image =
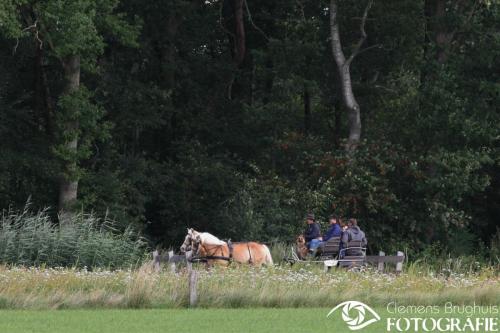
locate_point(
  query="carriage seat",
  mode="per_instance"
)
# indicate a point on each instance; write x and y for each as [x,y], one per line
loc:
[330,249]
[354,254]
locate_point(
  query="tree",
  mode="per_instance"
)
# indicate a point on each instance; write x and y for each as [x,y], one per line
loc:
[74,33]
[149,137]
[445,20]
[344,71]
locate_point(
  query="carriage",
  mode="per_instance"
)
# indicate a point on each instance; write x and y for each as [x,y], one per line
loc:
[331,255]
[351,256]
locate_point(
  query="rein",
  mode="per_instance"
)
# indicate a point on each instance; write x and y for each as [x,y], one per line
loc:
[206,258]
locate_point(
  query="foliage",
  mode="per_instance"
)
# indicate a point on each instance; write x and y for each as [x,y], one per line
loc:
[174,134]
[77,107]
[28,239]
[9,18]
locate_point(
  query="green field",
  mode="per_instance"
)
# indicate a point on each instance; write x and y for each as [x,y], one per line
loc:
[178,320]
[243,299]
[237,287]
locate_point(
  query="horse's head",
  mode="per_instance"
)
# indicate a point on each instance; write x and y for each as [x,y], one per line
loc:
[186,246]
[191,241]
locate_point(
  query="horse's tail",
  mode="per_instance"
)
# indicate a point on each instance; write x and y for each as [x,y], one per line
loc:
[269,258]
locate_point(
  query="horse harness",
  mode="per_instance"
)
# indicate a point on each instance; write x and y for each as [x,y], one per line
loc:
[230,246]
[214,256]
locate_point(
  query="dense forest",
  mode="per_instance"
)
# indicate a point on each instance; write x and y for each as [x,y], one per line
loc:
[239,116]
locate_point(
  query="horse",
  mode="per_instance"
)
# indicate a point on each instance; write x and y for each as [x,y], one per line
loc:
[301,247]
[206,245]
[193,238]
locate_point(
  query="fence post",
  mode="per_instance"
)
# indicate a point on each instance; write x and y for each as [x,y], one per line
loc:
[172,264]
[193,283]
[156,260]
[189,264]
[399,265]
[381,262]
[192,280]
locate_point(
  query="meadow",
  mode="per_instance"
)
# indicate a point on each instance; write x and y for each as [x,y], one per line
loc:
[185,320]
[199,320]
[280,286]
[87,264]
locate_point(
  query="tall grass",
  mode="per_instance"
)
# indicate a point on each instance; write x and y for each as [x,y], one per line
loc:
[32,239]
[280,251]
[237,286]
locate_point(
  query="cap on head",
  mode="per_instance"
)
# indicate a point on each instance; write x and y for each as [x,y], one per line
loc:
[310,216]
[333,217]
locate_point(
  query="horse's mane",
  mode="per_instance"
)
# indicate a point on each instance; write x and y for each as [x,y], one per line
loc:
[209,239]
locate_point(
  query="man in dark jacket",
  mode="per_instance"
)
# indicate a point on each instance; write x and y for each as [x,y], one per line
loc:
[353,233]
[334,229]
[312,234]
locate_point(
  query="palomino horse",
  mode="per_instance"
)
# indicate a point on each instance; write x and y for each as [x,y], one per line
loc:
[206,245]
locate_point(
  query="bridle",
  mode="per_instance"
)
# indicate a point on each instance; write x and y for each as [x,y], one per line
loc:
[190,244]
[195,246]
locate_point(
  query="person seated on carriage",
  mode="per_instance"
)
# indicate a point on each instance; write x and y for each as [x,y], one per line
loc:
[343,229]
[343,226]
[353,233]
[334,230]
[312,234]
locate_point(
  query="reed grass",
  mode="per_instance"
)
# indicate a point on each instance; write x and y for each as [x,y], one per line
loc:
[32,239]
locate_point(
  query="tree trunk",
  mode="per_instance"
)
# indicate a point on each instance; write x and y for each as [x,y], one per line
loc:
[426,41]
[269,81]
[43,100]
[169,51]
[343,67]
[235,25]
[443,37]
[169,67]
[338,122]
[239,29]
[439,20]
[39,106]
[68,188]
[307,111]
